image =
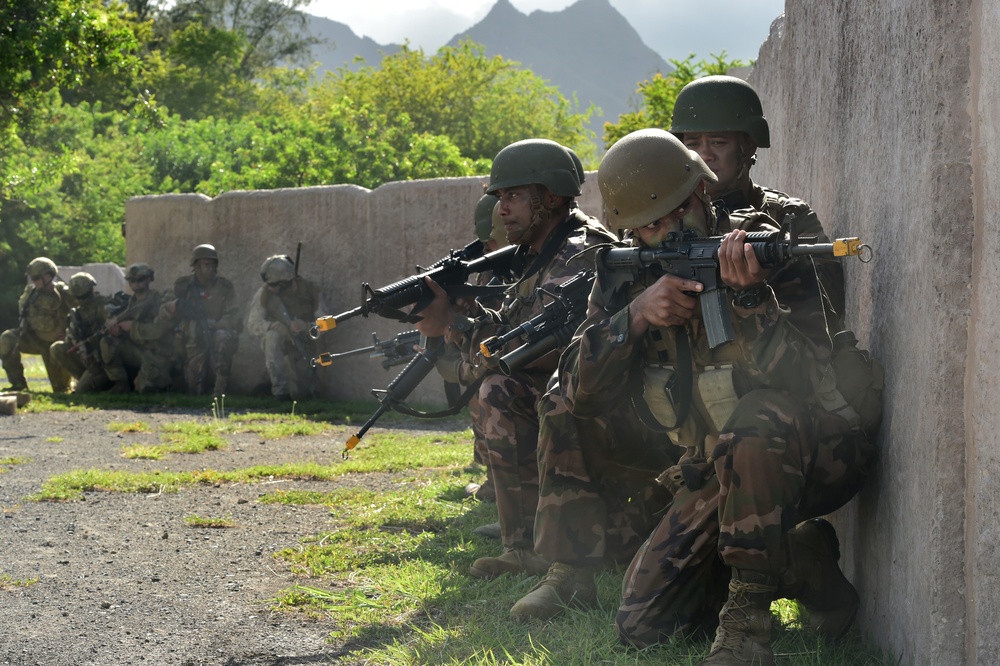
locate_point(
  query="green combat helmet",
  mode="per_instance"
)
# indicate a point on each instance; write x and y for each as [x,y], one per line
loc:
[720,104]
[82,285]
[536,161]
[39,266]
[277,268]
[138,272]
[204,252]
[484,217]
[646,175]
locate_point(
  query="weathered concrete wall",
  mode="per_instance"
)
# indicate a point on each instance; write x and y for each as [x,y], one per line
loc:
[349,235]
[885,119]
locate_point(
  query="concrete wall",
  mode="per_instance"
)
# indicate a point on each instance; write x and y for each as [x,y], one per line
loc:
[883,115]
[349,235]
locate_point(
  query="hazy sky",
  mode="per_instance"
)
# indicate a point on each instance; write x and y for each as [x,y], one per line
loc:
[674,28]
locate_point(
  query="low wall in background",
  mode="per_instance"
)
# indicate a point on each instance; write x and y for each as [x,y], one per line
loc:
[349,235]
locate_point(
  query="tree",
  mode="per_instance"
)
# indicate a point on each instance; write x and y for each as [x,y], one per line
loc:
[46,44]
[480,103]
[659,94]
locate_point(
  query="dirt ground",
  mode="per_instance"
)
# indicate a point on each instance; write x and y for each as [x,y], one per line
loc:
[121,579]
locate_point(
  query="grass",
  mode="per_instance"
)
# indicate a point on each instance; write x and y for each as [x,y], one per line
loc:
[389,574]
[8,584]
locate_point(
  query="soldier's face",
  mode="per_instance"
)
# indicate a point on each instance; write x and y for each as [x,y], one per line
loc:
[725,153]
[205,270]
[515,211]
[689,215]
[138,285]
[43,281]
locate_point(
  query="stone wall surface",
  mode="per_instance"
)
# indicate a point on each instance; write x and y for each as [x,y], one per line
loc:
[883,118]
[349,235]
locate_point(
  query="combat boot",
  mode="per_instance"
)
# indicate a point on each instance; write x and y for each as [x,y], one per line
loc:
[120,386]
[815,580]
[744,634]
[513,561]
[490,531]
[563,585]
[16,378]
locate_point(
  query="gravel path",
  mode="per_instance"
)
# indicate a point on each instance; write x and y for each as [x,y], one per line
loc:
[123,580]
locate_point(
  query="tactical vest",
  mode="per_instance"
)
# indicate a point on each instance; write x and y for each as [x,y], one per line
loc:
[49,311]
[301,302]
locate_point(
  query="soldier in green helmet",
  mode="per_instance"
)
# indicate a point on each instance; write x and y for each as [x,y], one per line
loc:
[43,309]
[767,448]
[79,352]
[536,182]
[721,118]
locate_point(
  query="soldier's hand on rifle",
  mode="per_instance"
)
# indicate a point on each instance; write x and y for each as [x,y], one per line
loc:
[668,302]
[739,267]
[124,326]
[299,326]
[438,314]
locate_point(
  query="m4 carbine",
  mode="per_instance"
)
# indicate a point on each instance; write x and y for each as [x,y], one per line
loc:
[394,351]
[695,258]
[451,273]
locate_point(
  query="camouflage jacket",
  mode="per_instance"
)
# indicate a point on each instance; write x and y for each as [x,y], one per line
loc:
[148,329]
[521,300]
[87,318]
[303,302]
[605,364]
[46,313]
[214,303]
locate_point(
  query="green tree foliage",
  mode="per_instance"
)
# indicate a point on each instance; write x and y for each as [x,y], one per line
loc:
[659,94]
[46,44]
[481,103]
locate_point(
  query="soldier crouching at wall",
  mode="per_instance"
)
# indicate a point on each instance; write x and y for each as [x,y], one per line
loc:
[280,315]
[138,349]
[79,352]
[43,308]
[208,320]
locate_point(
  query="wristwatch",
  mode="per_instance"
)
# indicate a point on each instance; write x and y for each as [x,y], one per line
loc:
[749,299]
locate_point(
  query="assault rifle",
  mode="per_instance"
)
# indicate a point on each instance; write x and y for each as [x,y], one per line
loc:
[401,387]
[548,330]
[394,351]
[116,305]
[695,258]
[451,273]
[286,319]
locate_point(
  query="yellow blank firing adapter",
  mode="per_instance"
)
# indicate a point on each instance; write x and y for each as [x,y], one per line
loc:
[853,247]
[327,323]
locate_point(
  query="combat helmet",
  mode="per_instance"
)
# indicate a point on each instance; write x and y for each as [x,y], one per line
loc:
[536,161]
[277,268]
[138,272]
[484,217]
[81,285]
[204,251]
[720,104]
[646,175]
[39,266]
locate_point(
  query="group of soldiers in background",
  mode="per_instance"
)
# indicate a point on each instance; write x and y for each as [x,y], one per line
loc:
[152,341]
[704,467]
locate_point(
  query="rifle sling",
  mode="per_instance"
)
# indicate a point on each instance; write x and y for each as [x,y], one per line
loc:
[549,249]
[460,403]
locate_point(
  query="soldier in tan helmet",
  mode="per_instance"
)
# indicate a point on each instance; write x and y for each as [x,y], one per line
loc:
[281,313]
[80,352]
[43,309]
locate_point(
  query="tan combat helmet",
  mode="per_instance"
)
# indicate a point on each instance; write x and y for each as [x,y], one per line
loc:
[39,266]
[277,268]
[720,104]
[204,252]
[646,175]
[82,285]
[536,161]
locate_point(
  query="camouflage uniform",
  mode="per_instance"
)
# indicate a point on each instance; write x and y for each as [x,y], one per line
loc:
[288,370]
[43,323]
[146,351]
[508,405]
[752,469]
[208,321]
[84,363]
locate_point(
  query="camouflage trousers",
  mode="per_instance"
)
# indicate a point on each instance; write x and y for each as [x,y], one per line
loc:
[508,414]
[480,451]
[123,359]
[201,363]
[13,343]
[85,366]
[598,495]
[289,372]
[776,464]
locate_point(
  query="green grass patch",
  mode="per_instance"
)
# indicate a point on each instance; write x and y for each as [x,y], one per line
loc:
[8,584]
[132,427]
[209,523]
[53,440]
[143,452]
